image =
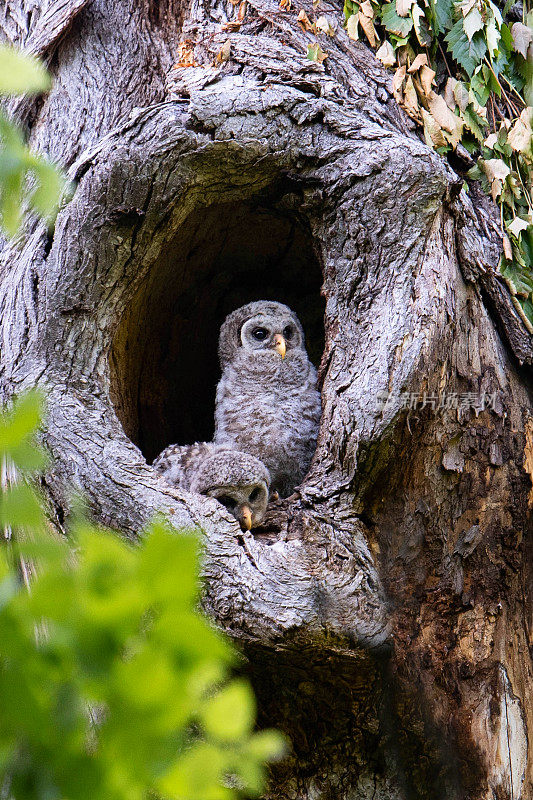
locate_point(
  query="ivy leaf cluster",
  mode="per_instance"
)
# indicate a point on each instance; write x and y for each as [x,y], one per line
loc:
[463,70]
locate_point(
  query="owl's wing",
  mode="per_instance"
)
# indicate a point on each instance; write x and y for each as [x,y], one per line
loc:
[178,462]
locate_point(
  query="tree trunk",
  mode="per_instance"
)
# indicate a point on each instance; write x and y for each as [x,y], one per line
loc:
[385,608]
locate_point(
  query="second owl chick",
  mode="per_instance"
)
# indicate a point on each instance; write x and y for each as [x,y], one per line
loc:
[237,480]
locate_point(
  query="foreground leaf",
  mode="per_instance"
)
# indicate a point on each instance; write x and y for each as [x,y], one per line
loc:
[21,73]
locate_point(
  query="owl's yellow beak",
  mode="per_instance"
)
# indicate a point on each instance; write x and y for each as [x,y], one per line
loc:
[280,345]
[245,518]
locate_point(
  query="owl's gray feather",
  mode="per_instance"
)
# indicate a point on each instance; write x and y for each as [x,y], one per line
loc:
[236,479]
[267,405]
[179,463]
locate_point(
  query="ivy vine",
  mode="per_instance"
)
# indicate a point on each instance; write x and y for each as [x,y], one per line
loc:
[463,70]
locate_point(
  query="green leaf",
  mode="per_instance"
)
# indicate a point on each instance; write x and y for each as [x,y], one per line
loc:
[400,26]
[472,23]
[162,550]
[526,71]
[230,714]
[11,199]
[507,37]
[20,507]
[10,138]
[16,161]
[21,421]
[459,47]
[478,47]
[493,37]
[50,184]
[421,26]
[268,745]
[114,628]
[440,15]
[349,9]
[522,283]
[18,426]
[21,73]
[474,123]
[480,84]
[527,308]
[197,775]
[468,54]
[315,53]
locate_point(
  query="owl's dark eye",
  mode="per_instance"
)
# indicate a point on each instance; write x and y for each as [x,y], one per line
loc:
[260,334]
[227,501]
[288,332]
[255,495]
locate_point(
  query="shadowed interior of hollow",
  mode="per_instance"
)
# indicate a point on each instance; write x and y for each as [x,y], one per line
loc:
[164,362]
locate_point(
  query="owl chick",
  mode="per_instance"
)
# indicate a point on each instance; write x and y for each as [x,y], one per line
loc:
[267,403]
[237,480]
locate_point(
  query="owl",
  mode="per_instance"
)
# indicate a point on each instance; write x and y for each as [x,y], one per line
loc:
[267,403]
[236,479]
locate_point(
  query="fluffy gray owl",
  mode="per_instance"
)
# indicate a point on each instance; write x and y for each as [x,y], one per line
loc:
[237,480]
[267,402]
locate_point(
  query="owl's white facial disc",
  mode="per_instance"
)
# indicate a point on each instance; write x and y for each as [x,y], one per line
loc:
[264,333]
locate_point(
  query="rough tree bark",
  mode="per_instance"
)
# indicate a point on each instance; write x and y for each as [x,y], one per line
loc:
[385,608]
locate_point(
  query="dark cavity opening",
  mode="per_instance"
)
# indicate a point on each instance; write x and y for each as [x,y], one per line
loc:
[164,362]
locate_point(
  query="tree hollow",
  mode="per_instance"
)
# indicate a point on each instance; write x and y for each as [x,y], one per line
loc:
[164,363]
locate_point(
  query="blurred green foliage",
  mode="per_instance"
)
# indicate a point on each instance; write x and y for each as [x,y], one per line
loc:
[113,686]
[26,179]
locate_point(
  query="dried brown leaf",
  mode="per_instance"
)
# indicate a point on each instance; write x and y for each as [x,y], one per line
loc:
[466,6]
[517,226]
[315,53]
[410,99]
[522,38]
[224,53]
[432,130]
[397,83]
[520,135]
[448,93]
[305,22]
[352,27]
[186,54]
[507,248]
[496,168]
[386,54]
[420,61]
[496,171]
[235,24]
[324,25]
[367,25]
[403,7]
[445,118]
[462,95]
[427,76]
